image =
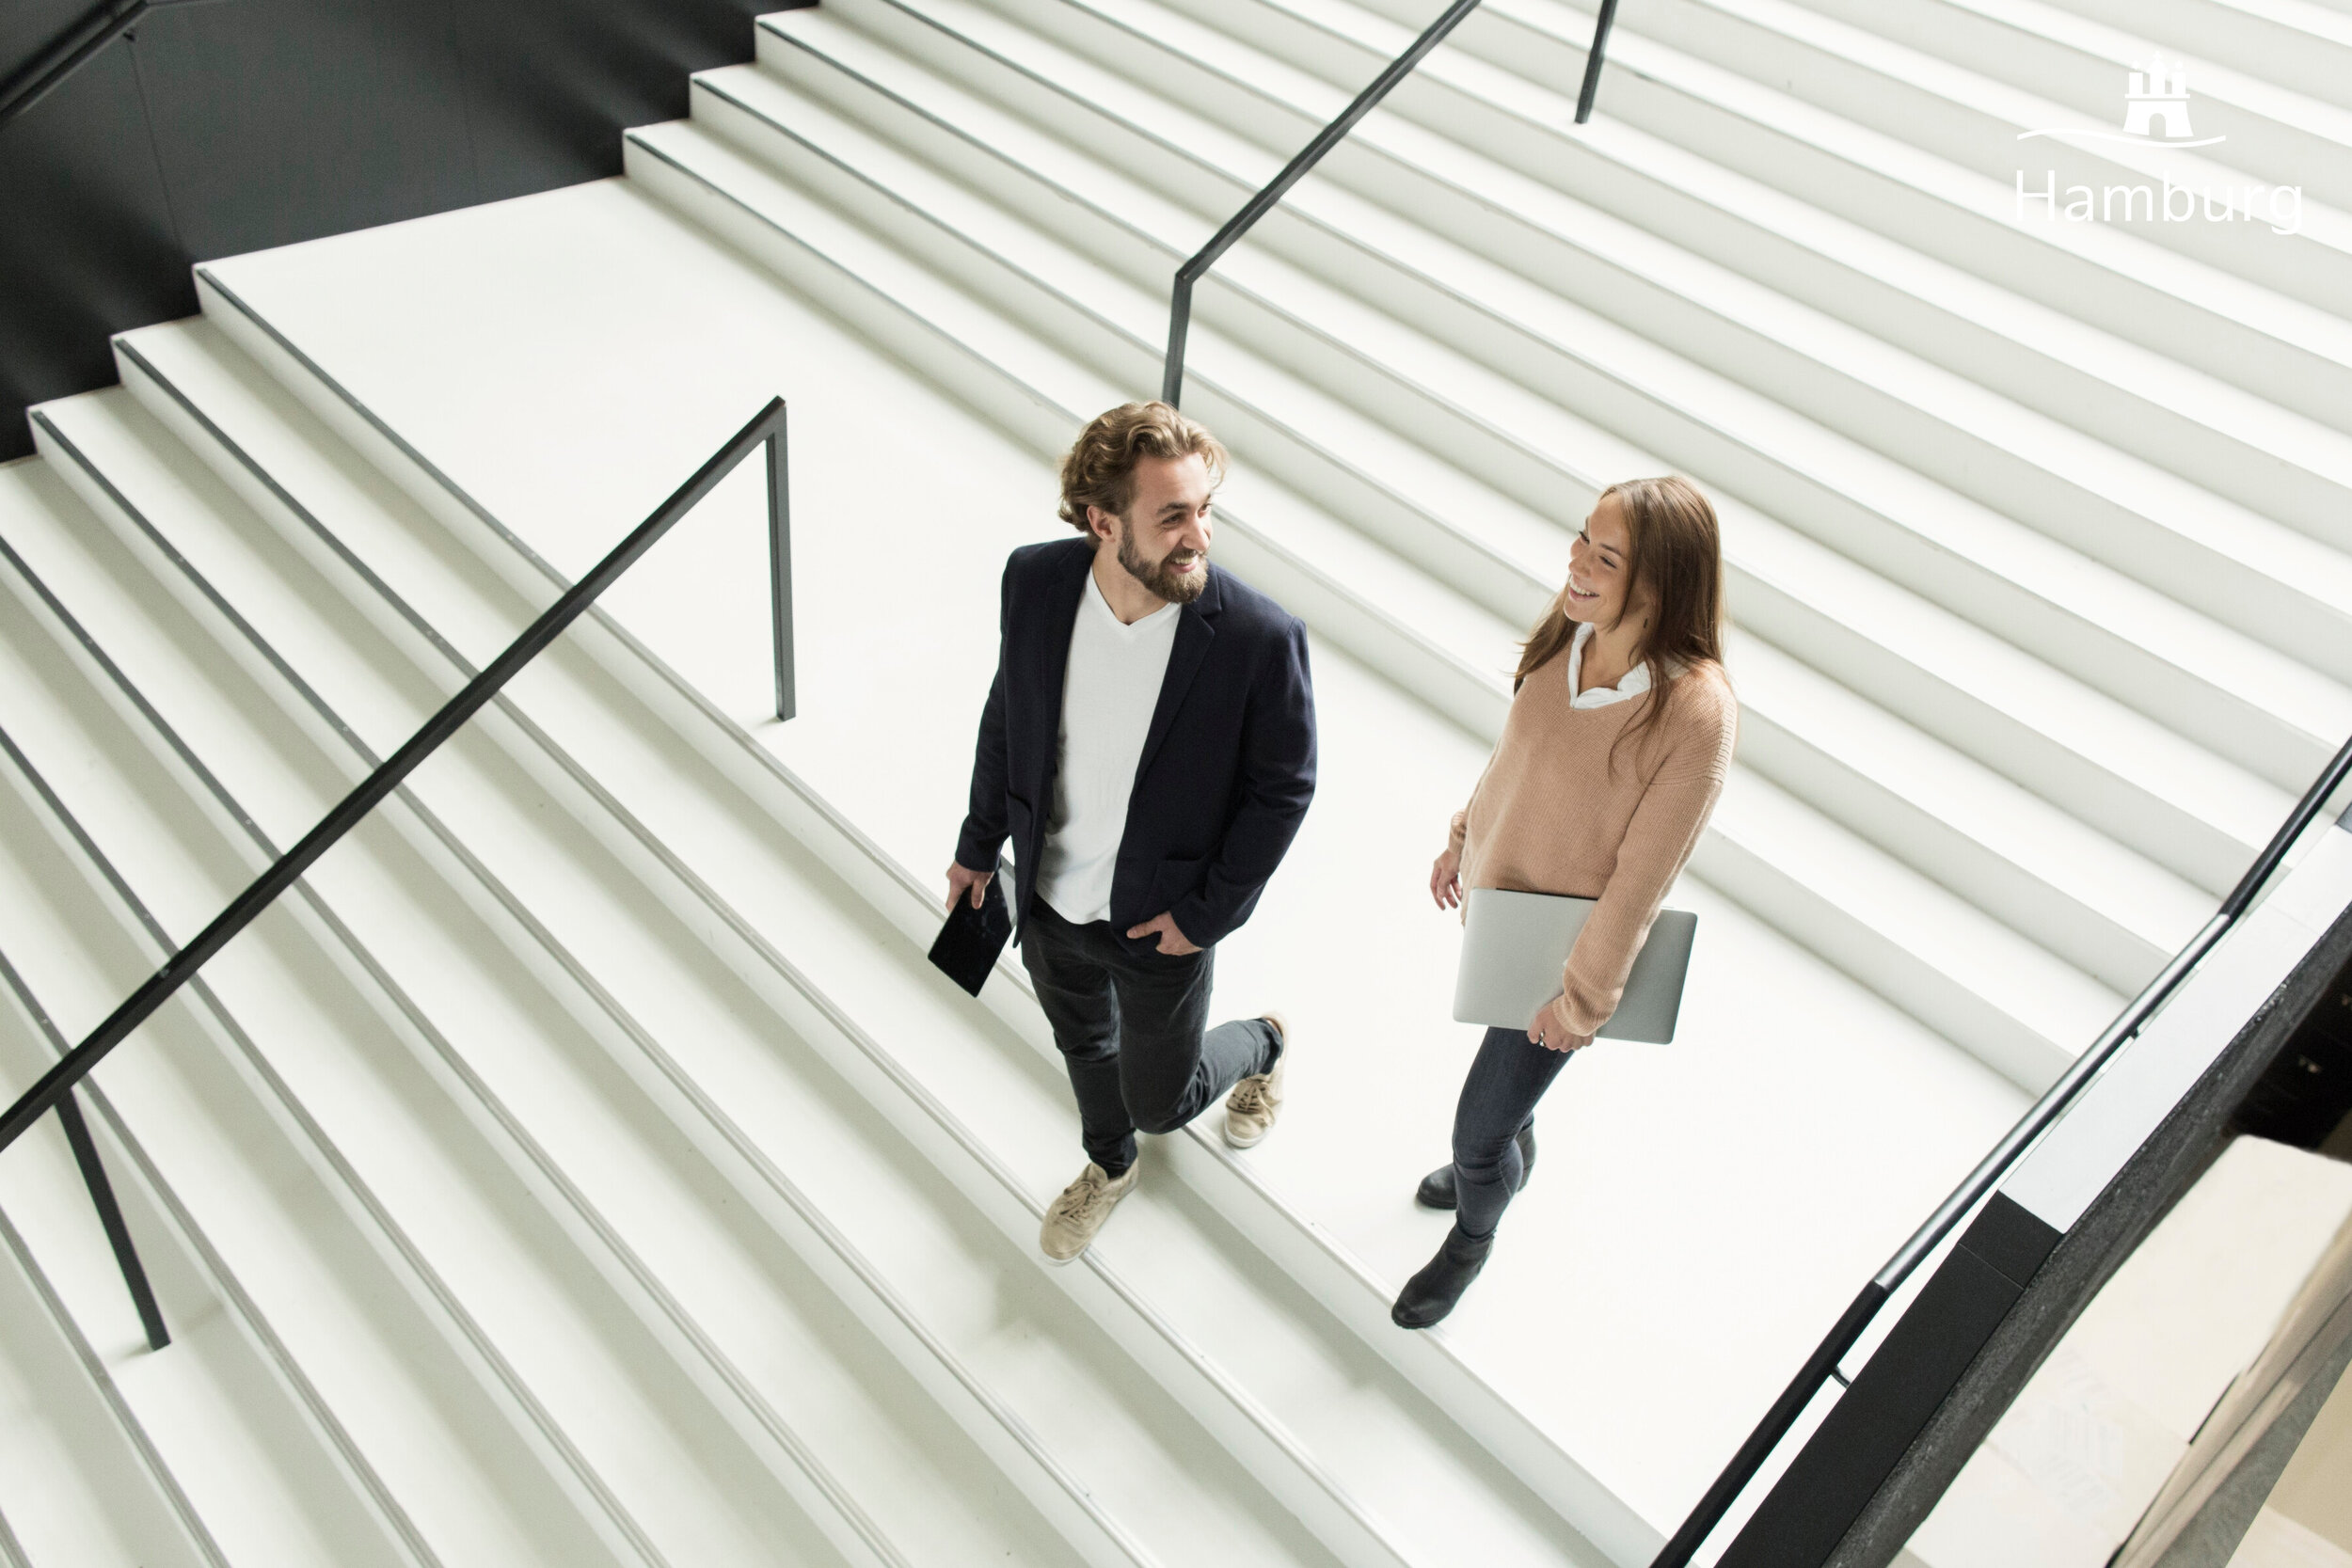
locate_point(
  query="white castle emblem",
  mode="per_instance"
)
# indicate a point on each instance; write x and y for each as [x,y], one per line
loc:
[2154,96]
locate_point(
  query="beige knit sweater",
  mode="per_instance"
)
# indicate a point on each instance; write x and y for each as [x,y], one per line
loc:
[1551,814]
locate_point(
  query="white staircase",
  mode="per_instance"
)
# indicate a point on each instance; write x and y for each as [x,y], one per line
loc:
[584,1166]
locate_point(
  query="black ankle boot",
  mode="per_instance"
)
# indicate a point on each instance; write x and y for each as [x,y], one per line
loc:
[1430,1295]
[1437,1189]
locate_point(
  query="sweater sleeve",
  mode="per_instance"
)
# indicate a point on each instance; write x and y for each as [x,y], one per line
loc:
[1664,830]
[1460,832]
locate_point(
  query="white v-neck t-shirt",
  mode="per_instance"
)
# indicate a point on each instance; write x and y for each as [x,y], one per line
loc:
[1110,688]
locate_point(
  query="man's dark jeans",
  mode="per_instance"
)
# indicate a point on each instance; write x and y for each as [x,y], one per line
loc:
[1498,1098]
[1132,1029]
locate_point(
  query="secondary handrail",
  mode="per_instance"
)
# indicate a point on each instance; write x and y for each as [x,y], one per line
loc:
[1270,196]
[766,428]
[54,62]
[1980,1181]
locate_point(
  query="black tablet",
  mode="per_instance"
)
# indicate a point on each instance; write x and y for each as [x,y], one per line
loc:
[969,943]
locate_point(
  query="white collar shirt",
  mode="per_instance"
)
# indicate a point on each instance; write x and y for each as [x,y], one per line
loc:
[1629,685]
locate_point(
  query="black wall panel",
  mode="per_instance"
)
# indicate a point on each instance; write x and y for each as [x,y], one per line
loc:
[222,127]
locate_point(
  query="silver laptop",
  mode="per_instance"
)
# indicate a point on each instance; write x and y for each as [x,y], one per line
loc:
[1516,943]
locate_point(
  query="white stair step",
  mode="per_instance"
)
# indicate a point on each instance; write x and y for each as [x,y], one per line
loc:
[1871,508]
[2125,962]
[1243,509]
[434,1451]
[524,1296]
[1760,547]
[706,336]
[617,1177]
[2055,1007]
[2253,335]
[1318,443]
[2044,873]
[2302,44]
[238,1473]
[280,459]
[2052,56]
[79,1481]
[2014,1005]
[735,1074]
[666,1005]
[218,1421]
[2149,404]
[877,287]
[2127,513]
[1847,378]
[1530,592]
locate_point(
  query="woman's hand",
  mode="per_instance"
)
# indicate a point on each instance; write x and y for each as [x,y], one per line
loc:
[1546,1030]
[1445,878]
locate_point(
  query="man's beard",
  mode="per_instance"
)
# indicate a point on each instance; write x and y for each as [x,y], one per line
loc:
[1175,587]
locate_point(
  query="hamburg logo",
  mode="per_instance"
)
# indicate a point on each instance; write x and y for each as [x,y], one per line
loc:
[2155,98]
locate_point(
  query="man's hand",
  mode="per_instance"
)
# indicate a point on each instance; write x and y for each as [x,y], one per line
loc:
[1546,1030]
[1172,941]
[1445,878]
[964,881]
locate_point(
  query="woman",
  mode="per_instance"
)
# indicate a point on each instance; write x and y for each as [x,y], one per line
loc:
[1617,743]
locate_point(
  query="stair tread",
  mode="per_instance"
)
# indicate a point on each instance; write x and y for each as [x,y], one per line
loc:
[2288,320]
[2089,36]
[2143,373]
[401,1394]
[1953,523]
[619,1171]
[1960,948]
[664,1002]
[721,329]
[1758,543]
[883,970]
[73,1479]
[1551,429]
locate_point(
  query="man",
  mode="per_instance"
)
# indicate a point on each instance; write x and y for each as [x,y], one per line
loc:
[1149,746]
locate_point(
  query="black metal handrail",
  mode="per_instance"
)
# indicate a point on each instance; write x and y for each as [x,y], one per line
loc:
[81,41]
[1267,198]
[52,1089]
[1980,1181]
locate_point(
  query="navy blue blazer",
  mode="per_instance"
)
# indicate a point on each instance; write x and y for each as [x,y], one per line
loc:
[1228,765]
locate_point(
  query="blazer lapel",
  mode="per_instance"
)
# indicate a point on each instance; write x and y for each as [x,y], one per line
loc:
[1195,631]
[1048,665]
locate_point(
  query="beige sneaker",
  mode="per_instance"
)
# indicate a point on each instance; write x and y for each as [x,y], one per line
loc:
[1077,1215]
[1257,1099]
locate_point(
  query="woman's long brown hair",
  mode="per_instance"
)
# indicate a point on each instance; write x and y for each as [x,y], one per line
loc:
[1675,560]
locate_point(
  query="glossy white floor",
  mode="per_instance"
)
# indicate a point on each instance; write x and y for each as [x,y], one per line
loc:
[587,1168]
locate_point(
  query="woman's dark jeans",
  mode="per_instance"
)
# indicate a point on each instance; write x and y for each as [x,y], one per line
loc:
[1498,1098]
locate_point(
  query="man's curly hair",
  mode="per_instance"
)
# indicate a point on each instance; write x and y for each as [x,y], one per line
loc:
[1100,467]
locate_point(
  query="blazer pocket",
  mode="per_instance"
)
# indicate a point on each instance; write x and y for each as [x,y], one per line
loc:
[1174,879]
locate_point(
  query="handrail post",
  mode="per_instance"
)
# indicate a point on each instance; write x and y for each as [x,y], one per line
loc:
[1179,327]
[102,1194]
[1593,58]
[780,568]
[1258,206]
